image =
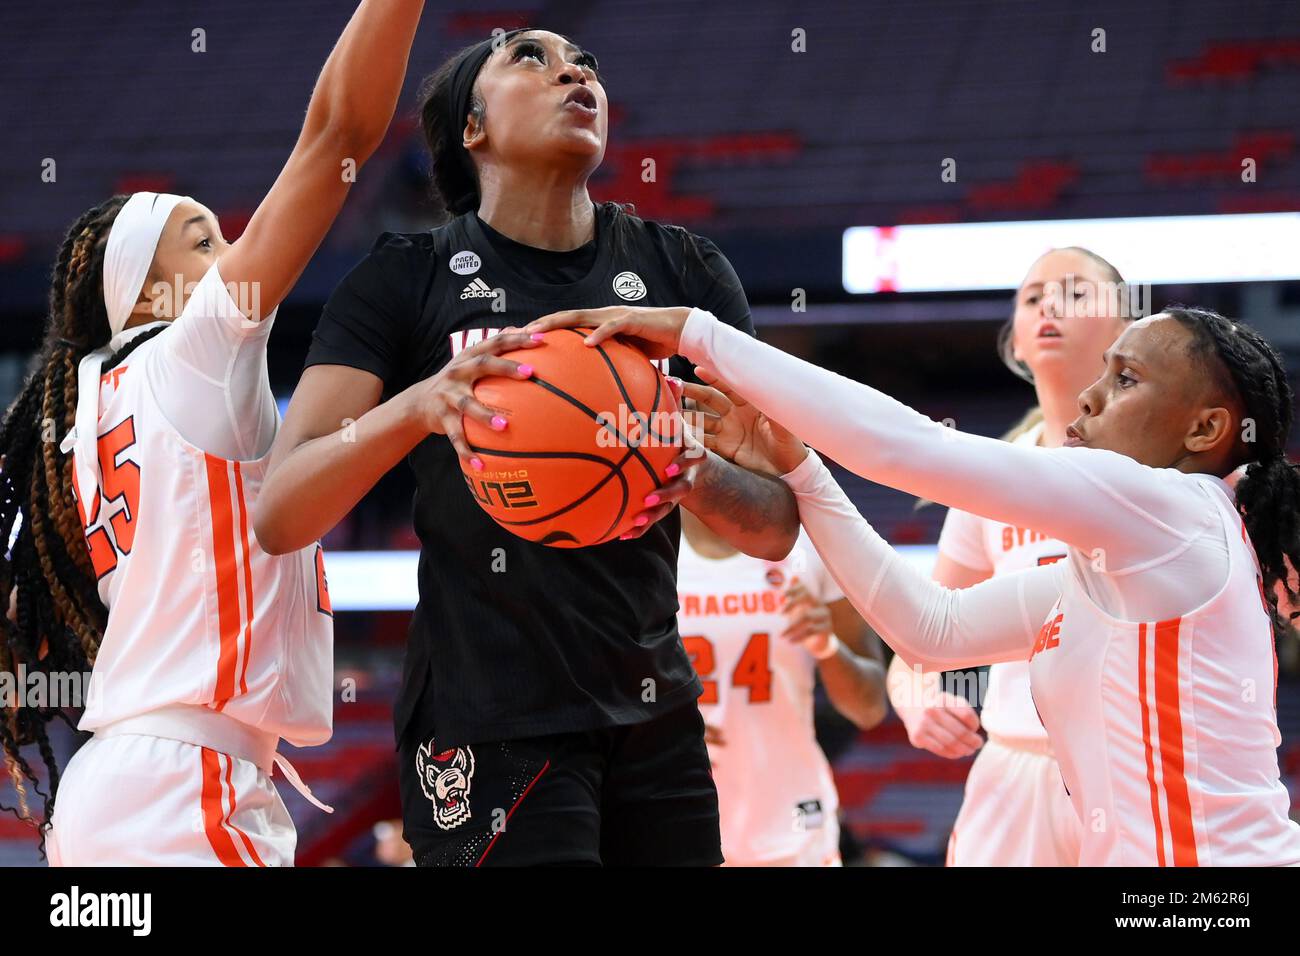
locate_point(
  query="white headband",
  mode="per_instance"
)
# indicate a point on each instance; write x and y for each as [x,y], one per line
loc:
[132,242]
[127,257]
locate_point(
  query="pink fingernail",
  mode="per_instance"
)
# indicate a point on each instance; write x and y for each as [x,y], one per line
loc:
[526,371]
[672,469]
[640,521]
[651,500]
[498,422]
[476,464]
[536,336]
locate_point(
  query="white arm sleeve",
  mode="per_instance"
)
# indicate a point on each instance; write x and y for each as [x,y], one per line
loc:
[1089,498]
[928,625]
[209,375]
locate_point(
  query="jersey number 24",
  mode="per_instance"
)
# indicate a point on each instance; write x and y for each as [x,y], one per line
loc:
[752,670]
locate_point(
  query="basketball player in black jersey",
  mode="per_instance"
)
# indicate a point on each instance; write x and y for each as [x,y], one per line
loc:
[548,710]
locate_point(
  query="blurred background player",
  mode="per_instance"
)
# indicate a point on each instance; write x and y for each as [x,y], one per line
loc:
[1015,812]
[760,634]
[206,650]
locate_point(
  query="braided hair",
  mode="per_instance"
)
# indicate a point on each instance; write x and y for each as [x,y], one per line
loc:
[55,620]
[1245,366]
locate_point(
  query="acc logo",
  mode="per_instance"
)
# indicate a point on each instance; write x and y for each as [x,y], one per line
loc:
[628,285]
[465,263]
[445,779]
[775,577]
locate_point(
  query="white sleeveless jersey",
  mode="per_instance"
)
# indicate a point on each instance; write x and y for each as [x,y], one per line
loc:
[198,613]
[776,795]
[1000,548]
[1166,731]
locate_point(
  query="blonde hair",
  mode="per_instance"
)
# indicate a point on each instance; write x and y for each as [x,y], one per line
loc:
[1030,420]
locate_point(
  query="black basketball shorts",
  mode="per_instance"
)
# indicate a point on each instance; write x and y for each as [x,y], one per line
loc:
[636,795]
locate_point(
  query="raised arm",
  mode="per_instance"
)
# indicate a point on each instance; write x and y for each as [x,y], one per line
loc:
[346,120]
[210,371]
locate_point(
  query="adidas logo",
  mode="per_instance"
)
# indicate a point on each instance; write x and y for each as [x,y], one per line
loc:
[478,289]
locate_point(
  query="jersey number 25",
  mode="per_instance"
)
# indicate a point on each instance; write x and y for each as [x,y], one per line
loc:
[118,480]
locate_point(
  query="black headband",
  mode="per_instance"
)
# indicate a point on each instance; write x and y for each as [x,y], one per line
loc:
[462,85]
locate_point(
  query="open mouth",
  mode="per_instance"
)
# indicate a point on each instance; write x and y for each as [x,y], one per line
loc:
[1048,331]
[583,99]
[1073,438]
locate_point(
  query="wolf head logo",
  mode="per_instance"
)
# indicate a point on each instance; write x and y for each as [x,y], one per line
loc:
[445,778]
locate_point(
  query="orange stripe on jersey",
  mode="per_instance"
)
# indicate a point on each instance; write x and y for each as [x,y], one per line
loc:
[1146,743]
[248,579]
[230,787]
[218,838]
[223,550]
[1172,763]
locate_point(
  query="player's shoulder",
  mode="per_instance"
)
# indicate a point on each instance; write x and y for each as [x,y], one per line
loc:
[405,248]
[398,266]
[958,519]
[677,244]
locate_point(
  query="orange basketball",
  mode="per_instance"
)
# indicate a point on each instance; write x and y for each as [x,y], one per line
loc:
[590,435]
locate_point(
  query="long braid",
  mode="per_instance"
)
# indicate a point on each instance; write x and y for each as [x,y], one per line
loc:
[48,485]
[1268,495]
[56,620]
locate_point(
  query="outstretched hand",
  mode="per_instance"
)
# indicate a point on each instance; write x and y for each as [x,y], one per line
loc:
[736,430]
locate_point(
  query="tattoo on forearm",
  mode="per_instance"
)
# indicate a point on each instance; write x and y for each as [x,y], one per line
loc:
[743,498]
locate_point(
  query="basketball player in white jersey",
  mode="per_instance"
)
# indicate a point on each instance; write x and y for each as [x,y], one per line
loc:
[1151,645]
[206,650]
[759,633]
[1015,812]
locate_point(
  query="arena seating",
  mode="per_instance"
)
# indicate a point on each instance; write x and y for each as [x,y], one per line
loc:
[746,135]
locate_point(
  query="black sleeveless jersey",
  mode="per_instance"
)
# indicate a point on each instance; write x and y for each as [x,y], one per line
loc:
[513,639]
